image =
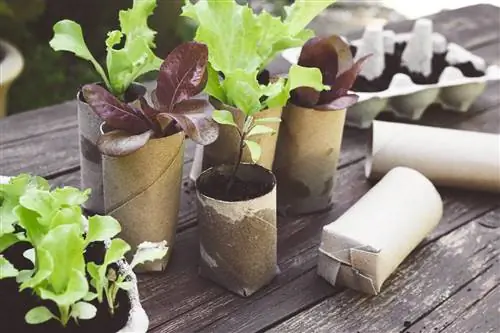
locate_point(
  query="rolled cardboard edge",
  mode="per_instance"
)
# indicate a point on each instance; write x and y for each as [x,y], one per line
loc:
[146,204]
[448,157]
[364,246]
[236,263]
[90,156]
[306,159]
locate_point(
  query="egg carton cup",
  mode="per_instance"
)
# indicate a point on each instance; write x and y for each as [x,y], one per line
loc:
[403,97]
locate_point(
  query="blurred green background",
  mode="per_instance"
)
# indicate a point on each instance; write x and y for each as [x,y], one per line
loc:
[50,77]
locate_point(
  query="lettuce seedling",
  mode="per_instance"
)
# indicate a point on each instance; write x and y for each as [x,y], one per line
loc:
[241,44]
[53,224]
[182,76]
[129,50]
[332,55]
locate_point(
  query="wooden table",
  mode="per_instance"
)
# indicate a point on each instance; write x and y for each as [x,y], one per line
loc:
[449,284]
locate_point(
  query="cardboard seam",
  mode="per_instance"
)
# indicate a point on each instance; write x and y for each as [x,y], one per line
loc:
[135,195]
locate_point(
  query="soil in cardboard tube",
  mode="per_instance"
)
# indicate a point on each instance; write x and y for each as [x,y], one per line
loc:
[14,305]
[241,190]
[393,66]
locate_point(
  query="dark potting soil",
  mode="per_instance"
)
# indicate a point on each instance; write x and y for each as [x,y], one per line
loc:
[240,190]
[14,304]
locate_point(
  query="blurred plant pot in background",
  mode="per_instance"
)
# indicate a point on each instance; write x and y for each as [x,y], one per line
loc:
[11,65]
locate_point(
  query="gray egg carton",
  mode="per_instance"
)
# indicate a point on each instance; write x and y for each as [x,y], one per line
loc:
[405,99]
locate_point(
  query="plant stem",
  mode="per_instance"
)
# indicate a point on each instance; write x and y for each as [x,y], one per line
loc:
[238,162]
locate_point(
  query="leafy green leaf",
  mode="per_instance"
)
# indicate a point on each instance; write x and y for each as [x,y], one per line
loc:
[28,219]
[38,315]
[259,130]
[83,310]
[213,87]
[243,90]
[39,202]
[44,267]
[116,251]
[76,289]
[67,215]
[125,285]
[7,240]
[223,117]
[7,270]
[9,198]
[24,275]
[68,37]
[90,296]
[134,21]
[66,246]
[305,77]
[114,37]
[255,150]
[148,251]
[302,12]
[102,228]
[70,196]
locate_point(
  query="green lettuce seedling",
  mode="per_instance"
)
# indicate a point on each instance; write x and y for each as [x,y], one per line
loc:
[124,61]
[51,221]
[241,44]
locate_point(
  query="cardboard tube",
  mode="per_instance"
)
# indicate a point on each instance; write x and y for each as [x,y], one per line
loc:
[306,159]
[142,191]
[367,243]
[225,149]
[238,240]
[90,156]
[448,157]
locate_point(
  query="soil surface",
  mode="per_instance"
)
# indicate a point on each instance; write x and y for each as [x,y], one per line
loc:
[14,305]
[217,188]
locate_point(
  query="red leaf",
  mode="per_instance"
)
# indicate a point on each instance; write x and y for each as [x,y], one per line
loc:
[198,127]
[182,75]
[112,111]
[343,83]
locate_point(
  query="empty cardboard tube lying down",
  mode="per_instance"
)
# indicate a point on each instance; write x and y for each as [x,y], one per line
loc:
[448,157]
[362,248]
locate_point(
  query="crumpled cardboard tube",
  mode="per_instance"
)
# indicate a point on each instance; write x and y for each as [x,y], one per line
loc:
[225,149]
[448,157]
[90,156]
[362,248]
[89,130]
[306,159]
[142,191]
[238,240]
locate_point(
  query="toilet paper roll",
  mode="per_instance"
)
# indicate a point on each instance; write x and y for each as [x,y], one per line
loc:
[448,157]
[364,246]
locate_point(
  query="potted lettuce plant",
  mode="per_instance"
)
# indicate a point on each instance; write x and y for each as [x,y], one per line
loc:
[311,131]
[241,44]
[143,146]
[129,55]
[61,271]
[237,193]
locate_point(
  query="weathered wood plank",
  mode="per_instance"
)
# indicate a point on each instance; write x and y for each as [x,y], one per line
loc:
[298,241]
[451,312]
[426,279]
[482,317]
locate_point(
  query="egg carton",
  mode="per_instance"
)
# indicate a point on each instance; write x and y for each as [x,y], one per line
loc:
[408,72]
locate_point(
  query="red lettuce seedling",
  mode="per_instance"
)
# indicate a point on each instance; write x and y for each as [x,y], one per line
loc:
[333,57]
[182,76]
